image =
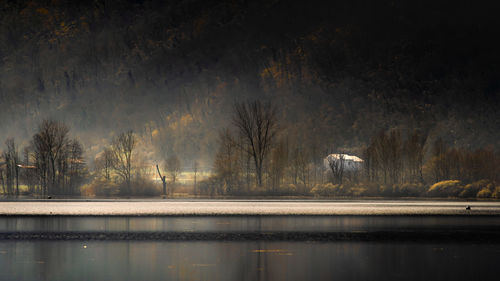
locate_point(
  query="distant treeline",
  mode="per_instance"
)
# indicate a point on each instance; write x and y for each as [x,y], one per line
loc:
[51,164]
[255,156]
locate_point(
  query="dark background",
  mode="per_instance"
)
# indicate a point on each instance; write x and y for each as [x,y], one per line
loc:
[171,70]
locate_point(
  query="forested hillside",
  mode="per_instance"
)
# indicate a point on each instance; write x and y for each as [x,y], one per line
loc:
[338,72]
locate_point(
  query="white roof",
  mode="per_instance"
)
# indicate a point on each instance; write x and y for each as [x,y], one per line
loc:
[346,157]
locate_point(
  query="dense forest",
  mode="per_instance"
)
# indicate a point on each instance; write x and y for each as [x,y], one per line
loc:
[413,89]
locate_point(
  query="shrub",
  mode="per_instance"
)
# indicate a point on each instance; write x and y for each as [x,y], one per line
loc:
[87,190]
[469,191]
[289,188]
[209,186]
[484,193]
[482,184]
[100,187]
[328,189]
[472,189]
[410,189]
[496,193]
[143,187]
[303,189]
[103,188]
[371,188]
[386,190]
[359,191]
[447,188]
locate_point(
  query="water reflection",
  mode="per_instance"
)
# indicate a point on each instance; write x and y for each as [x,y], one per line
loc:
[244,224]
[254,260]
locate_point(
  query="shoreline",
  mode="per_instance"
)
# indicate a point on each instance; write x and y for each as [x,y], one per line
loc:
[136,208]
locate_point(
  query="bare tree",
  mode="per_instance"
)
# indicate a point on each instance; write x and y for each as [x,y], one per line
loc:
[11,157]
[384,157]
[299,166]
[105,163]
[226,161]
[4,190]
[163,180]
[29,170]
[395,147]
[336,162]
[41,162]
[414,156]
[173,165]
[257,123]
[122,147]
[49,144]
[440,160]
[382,154]
[244,163]
[279,159]
[195,171]
[76,165]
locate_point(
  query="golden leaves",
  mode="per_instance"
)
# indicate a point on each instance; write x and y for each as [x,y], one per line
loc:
[42,11]
[155,133]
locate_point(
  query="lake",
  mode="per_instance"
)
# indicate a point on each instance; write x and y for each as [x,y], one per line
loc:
[249,260]
[379,244]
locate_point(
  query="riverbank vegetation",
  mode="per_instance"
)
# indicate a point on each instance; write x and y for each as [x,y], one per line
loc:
[255,156]
[394,164]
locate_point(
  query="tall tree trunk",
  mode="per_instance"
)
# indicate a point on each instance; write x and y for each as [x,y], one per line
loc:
[17,180]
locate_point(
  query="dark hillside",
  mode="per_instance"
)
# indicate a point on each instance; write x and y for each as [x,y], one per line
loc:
[171,70]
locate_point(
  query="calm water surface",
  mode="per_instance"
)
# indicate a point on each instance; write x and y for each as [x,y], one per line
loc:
[241,259]
[245,223]
[252,260]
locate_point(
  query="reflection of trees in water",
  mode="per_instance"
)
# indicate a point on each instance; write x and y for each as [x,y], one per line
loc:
[249,260]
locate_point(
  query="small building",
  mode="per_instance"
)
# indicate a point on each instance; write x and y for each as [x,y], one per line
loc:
[350,162]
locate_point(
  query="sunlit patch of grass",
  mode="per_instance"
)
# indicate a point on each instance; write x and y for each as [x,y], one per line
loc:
[23,189]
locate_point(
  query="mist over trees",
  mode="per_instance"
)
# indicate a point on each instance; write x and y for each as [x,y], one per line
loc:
[174,168]
[361,78]
[122,148]
[349,71]
[52,164]
[121,170]
[257,126]
[393,164]
[253,158]
[11,171]
[104,163]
